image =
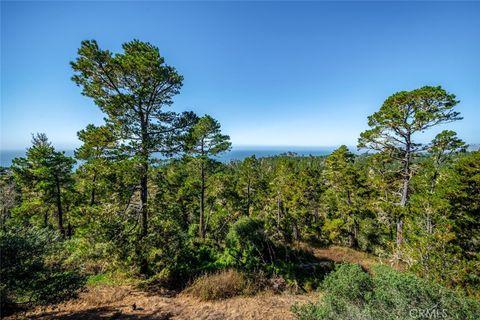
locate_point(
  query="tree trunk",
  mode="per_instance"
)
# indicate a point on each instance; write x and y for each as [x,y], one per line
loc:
[92,195]
[428,218]
[144,199]
[428,223]
[355,227]
[399,231]
[391,223]
[59,207]
[144,177]
[144,194]
[296,232]
[69,230]
[279,209]
[248,197]
[405,190]
[202,201]
[354,234]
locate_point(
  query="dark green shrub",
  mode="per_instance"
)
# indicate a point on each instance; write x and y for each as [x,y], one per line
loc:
[247,245]
[348,282]
[405,296]
[188,262]
[248,248]
[194,259]
[351,293]
[30,272]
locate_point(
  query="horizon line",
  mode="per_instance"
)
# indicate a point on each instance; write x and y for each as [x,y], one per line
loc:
[237,146]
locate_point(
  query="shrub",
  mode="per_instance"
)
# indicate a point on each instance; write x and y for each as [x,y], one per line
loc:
[248,246]
[220,285]
[30,272]
[399,293]
[348,282]
[351,293]
[183,266]
[90,257]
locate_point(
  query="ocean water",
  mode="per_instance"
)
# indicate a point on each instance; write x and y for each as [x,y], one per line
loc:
[237,153]
[6,156]
[240,153]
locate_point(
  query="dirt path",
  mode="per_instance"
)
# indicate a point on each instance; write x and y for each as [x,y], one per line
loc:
[343,254]
[129,303]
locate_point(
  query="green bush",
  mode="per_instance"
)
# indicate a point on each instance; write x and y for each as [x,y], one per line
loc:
[91,257]
[247,245]
[30,273]
[351,293]
[348,282]
[398,294]
[191,260]
[196,258]
[249,249]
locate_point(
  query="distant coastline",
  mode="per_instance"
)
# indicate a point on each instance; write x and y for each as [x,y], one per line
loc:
[237,152]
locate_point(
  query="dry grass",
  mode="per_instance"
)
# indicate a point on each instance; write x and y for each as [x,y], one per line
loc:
[127,303]
[231,283]
[217,286]
[343,254]
[103,295]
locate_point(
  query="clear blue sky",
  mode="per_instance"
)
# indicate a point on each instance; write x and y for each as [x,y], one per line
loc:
[273,73]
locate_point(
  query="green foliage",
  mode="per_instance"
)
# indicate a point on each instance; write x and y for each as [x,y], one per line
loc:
[247,245]
[99,279]
[248,248]
[31,269]
[463,194]
[91,256]
[205,140]
[345,198]
[348,282]
[251,186]
[406,112]
[9,195]
[133,89]
[351,293]
[392,131]
[134,107]
[397,294]
[45,178]
[99,148]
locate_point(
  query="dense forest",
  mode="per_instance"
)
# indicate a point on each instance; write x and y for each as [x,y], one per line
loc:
[146,200]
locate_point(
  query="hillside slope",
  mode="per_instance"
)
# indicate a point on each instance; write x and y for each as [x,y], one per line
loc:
[124,302]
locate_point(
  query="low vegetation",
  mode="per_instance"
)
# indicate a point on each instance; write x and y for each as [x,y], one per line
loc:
[220,285]
[352,293]
[31,272]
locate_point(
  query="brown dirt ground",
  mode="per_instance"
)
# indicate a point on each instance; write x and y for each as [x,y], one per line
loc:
[105,302]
